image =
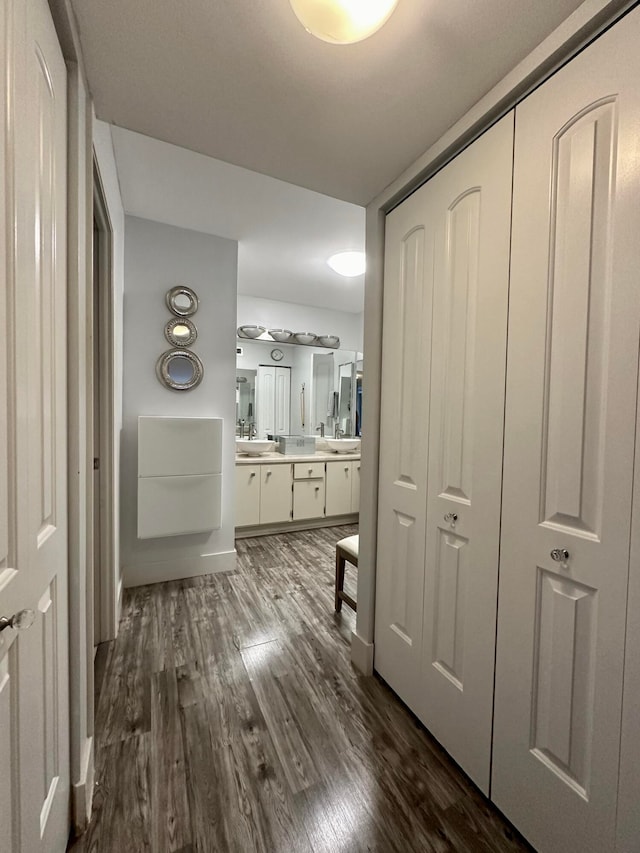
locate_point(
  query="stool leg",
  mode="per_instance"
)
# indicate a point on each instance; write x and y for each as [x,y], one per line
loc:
[339,580]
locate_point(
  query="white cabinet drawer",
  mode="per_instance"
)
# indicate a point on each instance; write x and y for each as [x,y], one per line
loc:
[308,470]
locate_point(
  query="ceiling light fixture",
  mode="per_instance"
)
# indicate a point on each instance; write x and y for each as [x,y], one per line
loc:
[343,21]
[348,264]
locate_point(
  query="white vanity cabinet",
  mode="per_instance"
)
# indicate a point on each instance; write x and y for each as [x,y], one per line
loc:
[263,494]
[343,487]
[273,495]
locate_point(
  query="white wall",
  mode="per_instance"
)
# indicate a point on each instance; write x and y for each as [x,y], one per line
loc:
[348,327]
[157,257]
[106,165]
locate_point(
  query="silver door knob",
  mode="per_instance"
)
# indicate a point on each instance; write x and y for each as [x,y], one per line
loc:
[560,555]
[20,621]
[451,518]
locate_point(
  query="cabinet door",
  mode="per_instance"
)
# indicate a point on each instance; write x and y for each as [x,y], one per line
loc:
[569,446]
[355,486]
[308,499]
[275,493]
[247,495]
[470,216]
[338,488]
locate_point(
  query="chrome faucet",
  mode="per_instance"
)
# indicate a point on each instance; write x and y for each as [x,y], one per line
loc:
[321,428]
[337,432]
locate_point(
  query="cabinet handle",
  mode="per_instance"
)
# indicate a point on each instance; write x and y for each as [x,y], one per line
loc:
[268,473]
[252,474]
[311,470]
[317,488]
[346,467]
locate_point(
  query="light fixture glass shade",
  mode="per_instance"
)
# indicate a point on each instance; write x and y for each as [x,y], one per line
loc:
[348,264]
[343,21]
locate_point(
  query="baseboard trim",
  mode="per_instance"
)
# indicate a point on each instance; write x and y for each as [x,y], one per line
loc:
[361,654]
[294,526]
[140,574]
[82,791]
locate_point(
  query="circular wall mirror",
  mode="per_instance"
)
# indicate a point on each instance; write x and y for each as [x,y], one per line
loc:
[182,301]
[179,370]
[180,332]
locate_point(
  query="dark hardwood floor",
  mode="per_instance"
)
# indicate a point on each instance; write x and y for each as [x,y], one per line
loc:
[230,719]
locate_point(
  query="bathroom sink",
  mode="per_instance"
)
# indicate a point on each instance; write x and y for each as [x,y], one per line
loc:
[253,447]
[343,445]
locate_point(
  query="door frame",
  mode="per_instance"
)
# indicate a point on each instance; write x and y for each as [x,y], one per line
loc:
[580,29]
[108,592]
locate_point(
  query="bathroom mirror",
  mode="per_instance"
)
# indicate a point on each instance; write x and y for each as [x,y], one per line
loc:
[180,332]
[182,301]
[332,380]
[179,370]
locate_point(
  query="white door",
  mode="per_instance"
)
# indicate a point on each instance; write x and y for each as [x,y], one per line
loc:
[470,212]
[569,445]
[283,400]
[34,714]
[265,400]
[404,438]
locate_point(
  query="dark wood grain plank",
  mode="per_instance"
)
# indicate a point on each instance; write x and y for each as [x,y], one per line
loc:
[230,719]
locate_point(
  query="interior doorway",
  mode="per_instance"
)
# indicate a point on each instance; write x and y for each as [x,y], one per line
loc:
[100,546]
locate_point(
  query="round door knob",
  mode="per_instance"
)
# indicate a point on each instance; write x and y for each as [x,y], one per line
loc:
[451,518]
[560,555]
[20,621]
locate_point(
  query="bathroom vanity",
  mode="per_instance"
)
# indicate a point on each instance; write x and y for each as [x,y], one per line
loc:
[277,493]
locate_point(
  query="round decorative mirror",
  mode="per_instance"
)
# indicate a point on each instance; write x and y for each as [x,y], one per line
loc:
[182,301]
[180,332]
[179,369]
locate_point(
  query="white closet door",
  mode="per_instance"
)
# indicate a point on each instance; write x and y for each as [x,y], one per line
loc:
[569,444]
[265,400]
[404,436]
[282,405]
[470,212]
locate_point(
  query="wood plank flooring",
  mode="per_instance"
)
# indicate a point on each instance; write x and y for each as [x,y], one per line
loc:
[230,719]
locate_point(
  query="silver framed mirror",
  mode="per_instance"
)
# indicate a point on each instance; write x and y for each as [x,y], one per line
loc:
[182,301]
[179,369]
[180,332]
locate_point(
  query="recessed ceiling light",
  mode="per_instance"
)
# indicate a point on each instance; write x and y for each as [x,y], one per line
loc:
[348,264]
[343,21]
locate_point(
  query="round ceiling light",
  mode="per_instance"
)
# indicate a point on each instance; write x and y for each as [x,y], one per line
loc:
[348,264]
[343,21]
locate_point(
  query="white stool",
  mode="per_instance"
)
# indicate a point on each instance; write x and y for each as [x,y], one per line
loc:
[346,551]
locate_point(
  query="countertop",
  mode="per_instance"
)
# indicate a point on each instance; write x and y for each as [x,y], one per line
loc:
[274,458]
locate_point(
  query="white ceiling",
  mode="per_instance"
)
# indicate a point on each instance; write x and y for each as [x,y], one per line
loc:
[242,81]
[285,233]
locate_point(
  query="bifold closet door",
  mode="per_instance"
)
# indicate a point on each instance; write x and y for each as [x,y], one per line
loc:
[404,434]
[444,351]
[470,203]
[569,447]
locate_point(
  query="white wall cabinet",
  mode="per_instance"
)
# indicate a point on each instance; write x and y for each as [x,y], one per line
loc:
[565,472]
